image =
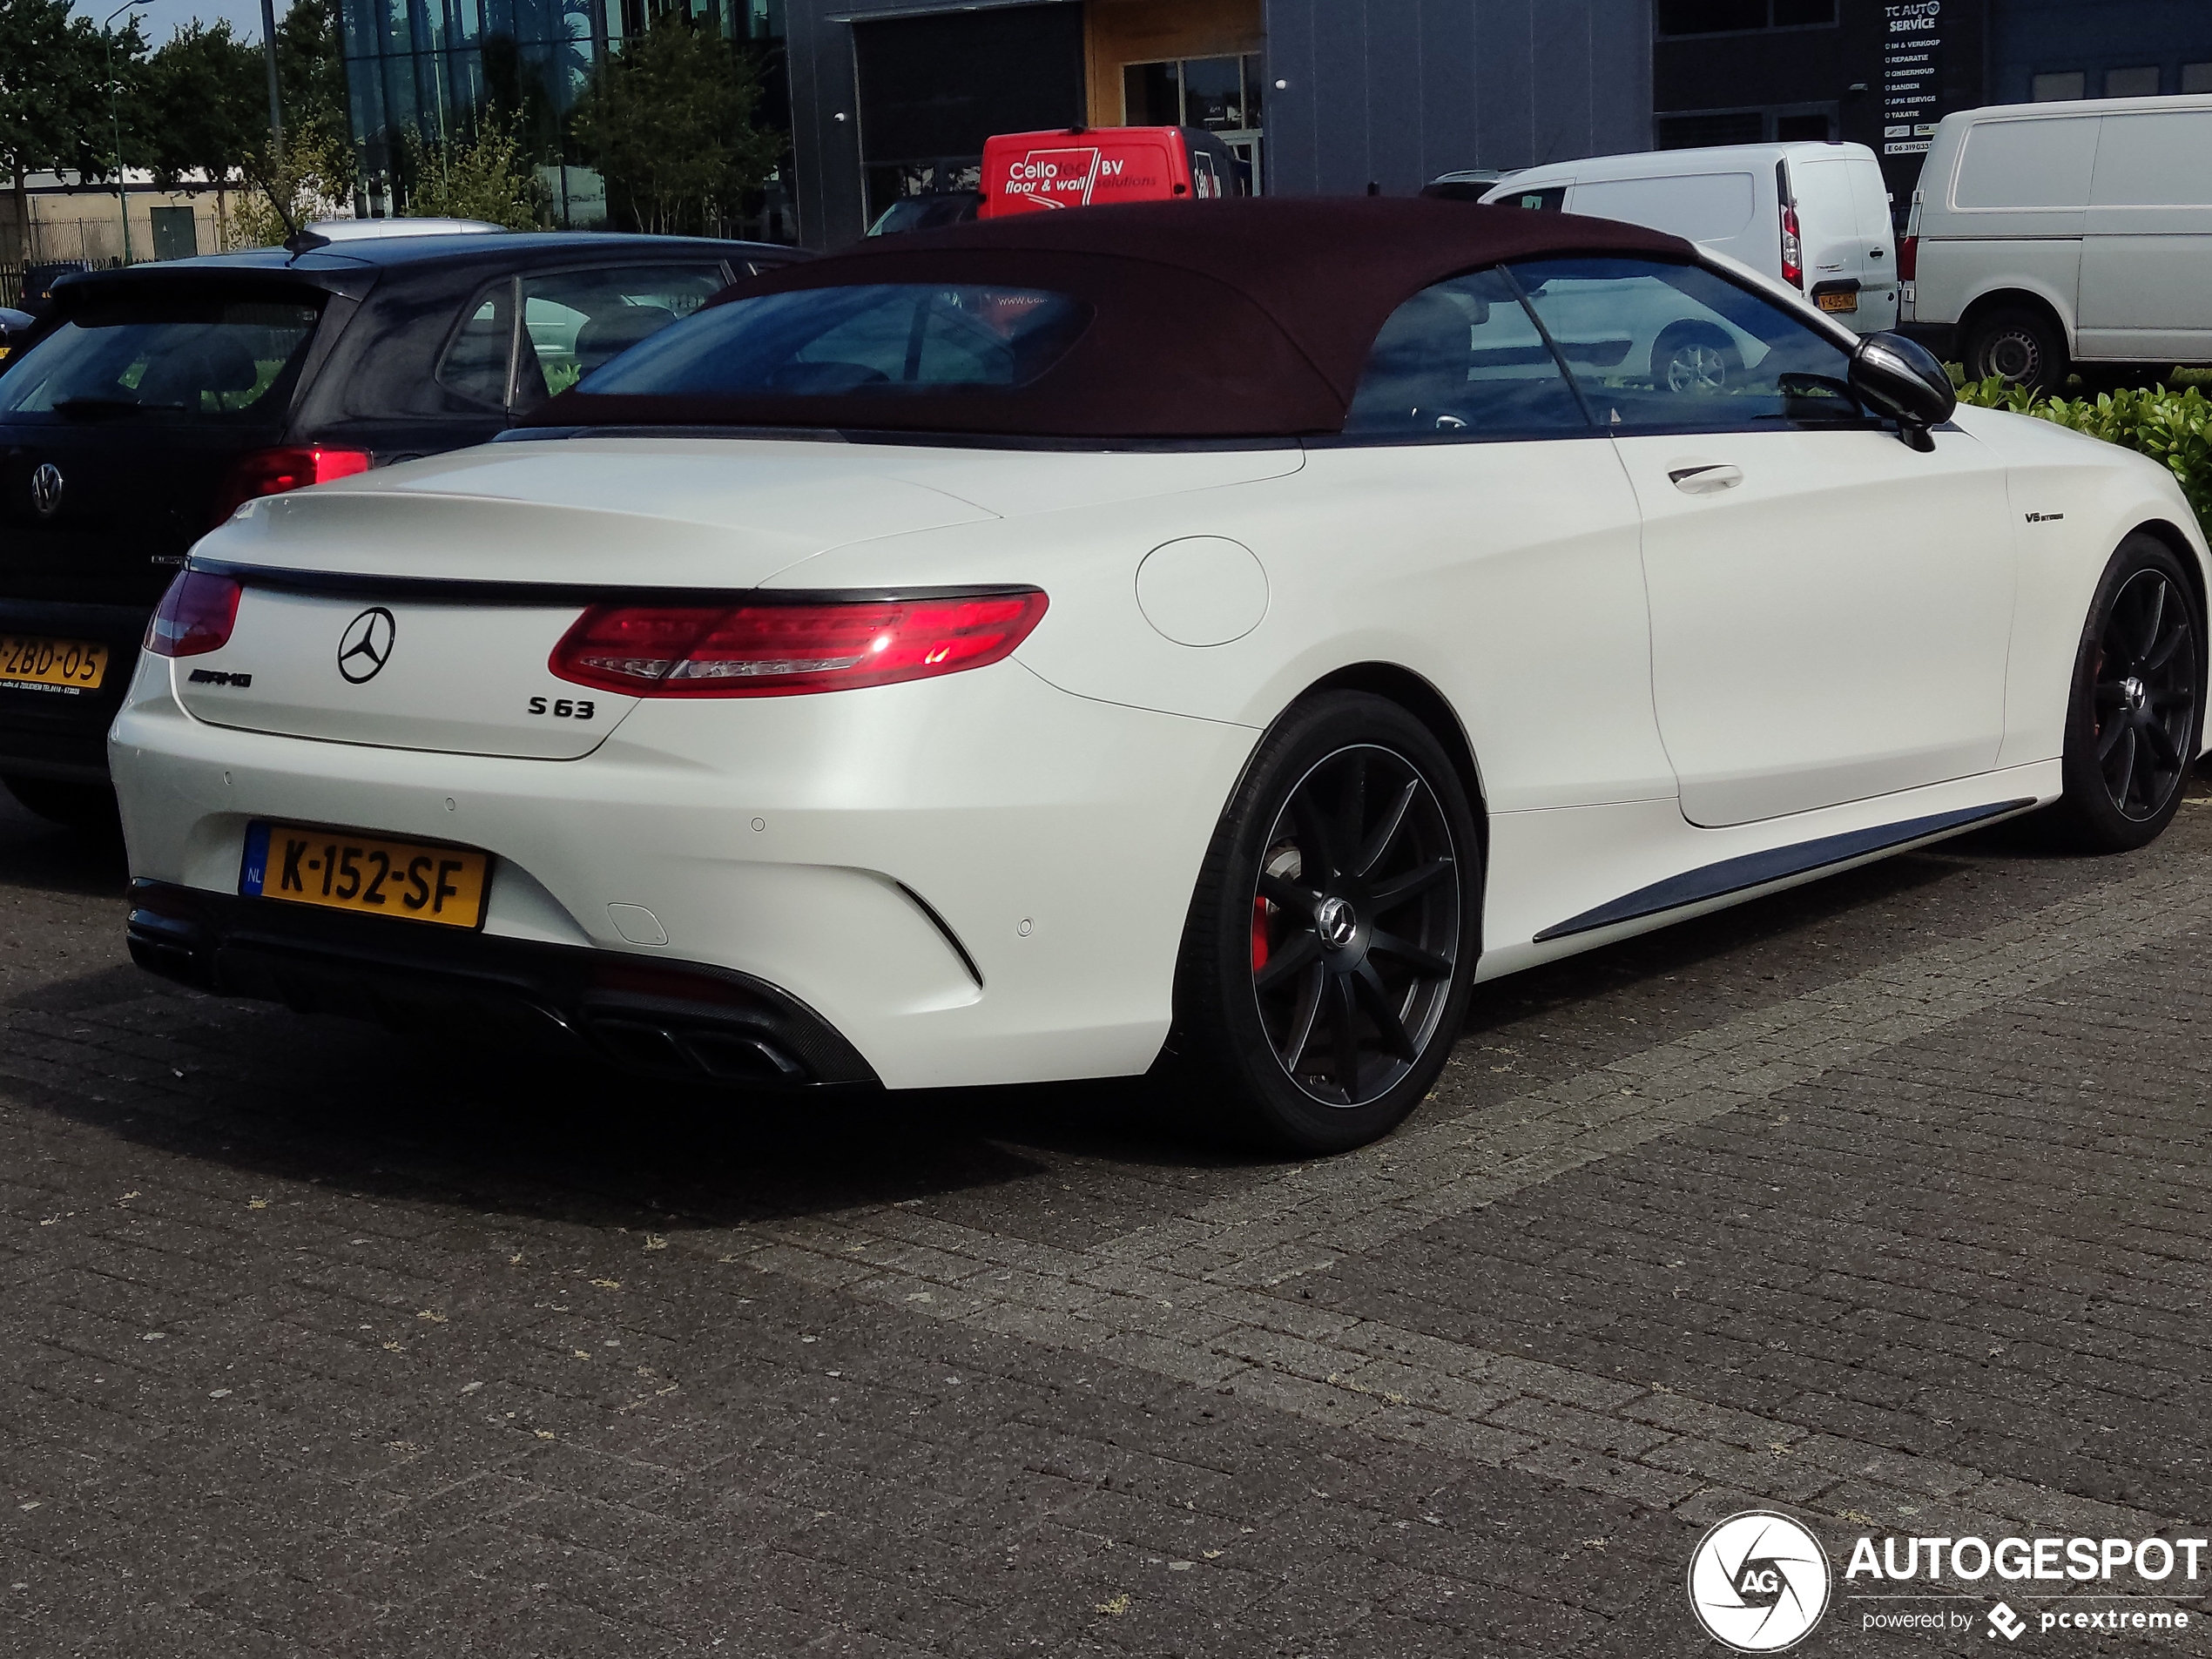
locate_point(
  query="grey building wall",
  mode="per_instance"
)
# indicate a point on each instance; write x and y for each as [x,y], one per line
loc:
[2031,37]
[1394,92]
[825,114]
[1390,93]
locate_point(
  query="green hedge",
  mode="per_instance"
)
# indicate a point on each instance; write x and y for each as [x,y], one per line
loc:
[2172,427]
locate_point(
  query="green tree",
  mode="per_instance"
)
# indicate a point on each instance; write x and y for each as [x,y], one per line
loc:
[311,76]
[54,95]
[489,177]
[202,107]
[669,123]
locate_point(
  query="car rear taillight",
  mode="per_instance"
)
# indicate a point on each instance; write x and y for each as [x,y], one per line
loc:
[196,615]
[1908,259]
[1793,258]
[781,650]
[271,472]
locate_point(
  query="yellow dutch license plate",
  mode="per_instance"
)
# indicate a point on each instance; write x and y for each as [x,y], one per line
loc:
[370,876]
[31,663]
[1840,302]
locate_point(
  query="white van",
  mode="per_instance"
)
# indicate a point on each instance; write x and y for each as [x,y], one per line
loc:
[2044,235]
[1816,216]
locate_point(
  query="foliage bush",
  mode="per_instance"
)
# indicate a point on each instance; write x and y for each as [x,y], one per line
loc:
[2172,428]
[487,177]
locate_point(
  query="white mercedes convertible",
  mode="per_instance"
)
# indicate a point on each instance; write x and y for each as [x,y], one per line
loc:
[1227,636]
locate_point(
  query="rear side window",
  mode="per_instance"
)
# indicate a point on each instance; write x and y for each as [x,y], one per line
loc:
[477,360]
[162,359]
[575,321]
[1462,359]
[1549,200]
[893,338]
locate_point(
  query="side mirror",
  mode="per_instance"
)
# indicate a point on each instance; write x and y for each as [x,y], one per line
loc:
[1896,377]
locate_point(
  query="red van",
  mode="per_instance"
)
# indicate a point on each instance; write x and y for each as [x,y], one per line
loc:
[1028,173]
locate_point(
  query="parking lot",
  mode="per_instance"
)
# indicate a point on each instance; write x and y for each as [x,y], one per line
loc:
[1880,1202]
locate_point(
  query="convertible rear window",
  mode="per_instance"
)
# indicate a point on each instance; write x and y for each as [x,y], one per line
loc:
[167,359]
[880,338]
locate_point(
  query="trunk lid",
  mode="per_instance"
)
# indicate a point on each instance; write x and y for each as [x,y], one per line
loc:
[463,571]
[399,672]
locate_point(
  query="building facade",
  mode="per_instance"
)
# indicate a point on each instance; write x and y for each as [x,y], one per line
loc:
[1882,73]
[892,97]
[63,217]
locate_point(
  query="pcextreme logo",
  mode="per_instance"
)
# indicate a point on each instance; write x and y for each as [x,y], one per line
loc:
[1759,1582]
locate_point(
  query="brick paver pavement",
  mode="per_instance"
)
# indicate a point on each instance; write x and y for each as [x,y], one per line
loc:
[1881,1203]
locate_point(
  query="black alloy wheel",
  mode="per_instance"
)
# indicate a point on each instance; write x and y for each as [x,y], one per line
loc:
[2132,720]
[1333,941]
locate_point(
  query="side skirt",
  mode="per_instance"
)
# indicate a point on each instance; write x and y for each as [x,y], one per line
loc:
[1756,869]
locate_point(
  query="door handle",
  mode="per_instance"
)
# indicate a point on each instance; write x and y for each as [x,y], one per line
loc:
[1706,480]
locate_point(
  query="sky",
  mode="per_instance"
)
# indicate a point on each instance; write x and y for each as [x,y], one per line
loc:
[158,19]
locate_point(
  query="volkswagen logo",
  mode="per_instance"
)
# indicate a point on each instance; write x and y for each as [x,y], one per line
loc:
[46,489]
[1758,1582]
[365,645]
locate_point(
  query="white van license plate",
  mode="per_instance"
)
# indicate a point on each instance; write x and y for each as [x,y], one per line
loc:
[1840,302]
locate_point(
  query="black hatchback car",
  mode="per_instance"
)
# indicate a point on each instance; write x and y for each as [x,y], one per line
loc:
[160,397]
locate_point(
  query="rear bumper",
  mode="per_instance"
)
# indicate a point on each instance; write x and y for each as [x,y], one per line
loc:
[60,734]
[975,879]
[668,1018]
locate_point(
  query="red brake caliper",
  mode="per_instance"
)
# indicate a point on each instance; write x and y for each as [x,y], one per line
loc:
[1259,934]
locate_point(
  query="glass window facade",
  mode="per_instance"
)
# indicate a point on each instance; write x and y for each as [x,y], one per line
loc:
[1223,95]
[430,66]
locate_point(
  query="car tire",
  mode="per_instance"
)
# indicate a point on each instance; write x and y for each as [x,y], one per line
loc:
[2020,347]
[1333,939]
[2135,710]
[81,806]
[1694,357]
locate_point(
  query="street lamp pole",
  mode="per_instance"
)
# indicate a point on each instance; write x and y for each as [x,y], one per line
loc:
[276,107]
[115,113]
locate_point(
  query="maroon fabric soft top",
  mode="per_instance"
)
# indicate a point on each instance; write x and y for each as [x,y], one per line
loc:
[1246,317]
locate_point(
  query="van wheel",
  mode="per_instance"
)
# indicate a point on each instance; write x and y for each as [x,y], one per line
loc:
[1333,939]
[1693,357]
[2020,347]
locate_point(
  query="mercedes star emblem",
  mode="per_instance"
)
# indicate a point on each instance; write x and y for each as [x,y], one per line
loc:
[46,489]
[365,645]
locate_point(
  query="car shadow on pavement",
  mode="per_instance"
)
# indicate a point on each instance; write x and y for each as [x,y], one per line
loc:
[35,853]
[324,1100]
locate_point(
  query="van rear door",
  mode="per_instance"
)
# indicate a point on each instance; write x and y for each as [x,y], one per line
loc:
[2147,255]
[1878,288]
[1837,267]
